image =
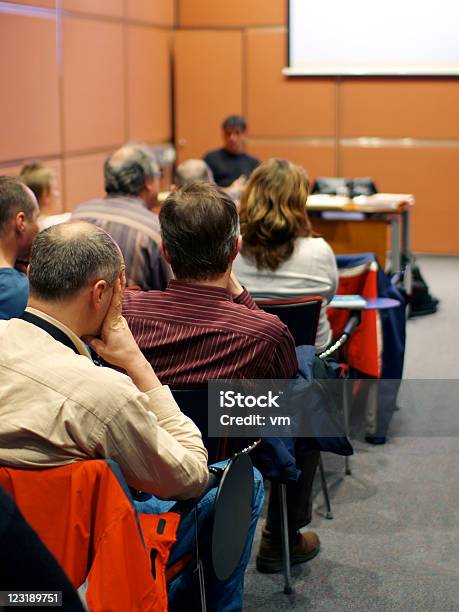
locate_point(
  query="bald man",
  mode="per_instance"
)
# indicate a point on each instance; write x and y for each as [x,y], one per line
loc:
[193,170]
[57,406]
[132,185]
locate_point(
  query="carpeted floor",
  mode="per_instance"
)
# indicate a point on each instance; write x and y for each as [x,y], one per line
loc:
[394,542]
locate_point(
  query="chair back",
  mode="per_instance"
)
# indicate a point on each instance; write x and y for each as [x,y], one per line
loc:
[301,315]
[193,403]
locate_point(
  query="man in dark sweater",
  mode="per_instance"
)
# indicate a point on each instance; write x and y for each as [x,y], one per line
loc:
[230,164]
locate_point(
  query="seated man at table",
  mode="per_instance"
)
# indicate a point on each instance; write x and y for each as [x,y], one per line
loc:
[206,326]
[57,406]
[231,165]
[18,226]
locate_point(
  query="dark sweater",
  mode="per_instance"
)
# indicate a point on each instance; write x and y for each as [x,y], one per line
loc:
[227,167]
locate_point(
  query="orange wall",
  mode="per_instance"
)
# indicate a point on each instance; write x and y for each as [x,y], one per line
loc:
[80,81]
[228,59]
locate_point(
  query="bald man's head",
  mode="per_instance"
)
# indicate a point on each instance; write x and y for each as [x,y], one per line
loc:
[193,170]
[128,169]
[67,257]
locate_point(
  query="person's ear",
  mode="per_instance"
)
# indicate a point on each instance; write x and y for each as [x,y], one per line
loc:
[98,293]
[164,253]
[28,271]
[20,222]
[236,249]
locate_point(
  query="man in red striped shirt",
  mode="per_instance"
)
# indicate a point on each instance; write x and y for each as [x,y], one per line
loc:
[206,326]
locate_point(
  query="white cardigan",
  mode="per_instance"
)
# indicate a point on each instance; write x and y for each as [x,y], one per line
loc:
[311,270]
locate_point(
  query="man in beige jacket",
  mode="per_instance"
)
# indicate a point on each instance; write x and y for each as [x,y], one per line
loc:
[58,406]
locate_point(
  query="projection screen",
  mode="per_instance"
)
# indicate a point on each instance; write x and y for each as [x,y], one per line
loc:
[364,37]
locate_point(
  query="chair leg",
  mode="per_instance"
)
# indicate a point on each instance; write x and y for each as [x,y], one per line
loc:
[199,567]
[329,513]
[347,464]
[285,540]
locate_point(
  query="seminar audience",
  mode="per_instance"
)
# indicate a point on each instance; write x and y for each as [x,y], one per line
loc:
[18,225]
[42,180]
[82,411]
[206,326]
[280,256]
[132,186]
[230,165]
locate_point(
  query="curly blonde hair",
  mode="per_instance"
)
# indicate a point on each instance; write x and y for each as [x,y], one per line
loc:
[273,213]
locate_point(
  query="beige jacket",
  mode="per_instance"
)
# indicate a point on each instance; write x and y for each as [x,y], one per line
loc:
[57,407]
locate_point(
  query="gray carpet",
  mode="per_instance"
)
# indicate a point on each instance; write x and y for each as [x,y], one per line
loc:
[394,541]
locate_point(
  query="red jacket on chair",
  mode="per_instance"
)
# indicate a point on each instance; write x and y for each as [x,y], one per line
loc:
[87,521]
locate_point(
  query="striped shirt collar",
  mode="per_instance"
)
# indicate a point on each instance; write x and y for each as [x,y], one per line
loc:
[79,344]
[210,292]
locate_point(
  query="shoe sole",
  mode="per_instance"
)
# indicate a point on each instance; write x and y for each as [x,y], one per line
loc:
[274,566]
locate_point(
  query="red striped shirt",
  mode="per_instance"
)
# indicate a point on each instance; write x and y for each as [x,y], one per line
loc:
[193,333]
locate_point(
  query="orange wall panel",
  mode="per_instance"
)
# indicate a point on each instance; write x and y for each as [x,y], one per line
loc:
[38,3]
[149,84]
[158,12]
[208,87]
[84,178]
[427,173]
[400,108]
[281,106]
[317,160]
[29,107]
[10,170]
[93,91]
[205,13]
[111,8]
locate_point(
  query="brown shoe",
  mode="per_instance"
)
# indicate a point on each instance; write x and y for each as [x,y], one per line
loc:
[269,559]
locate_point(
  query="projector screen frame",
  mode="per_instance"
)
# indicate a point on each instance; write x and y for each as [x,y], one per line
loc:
[393,70]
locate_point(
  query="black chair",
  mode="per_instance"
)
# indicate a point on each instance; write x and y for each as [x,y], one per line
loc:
[234,497]
[301,315]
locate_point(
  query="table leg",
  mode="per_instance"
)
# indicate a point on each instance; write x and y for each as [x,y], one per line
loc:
[395,255]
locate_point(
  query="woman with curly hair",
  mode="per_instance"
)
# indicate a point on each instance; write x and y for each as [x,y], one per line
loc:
[280,256]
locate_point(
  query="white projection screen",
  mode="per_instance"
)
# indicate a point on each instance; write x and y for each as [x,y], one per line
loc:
[373,37]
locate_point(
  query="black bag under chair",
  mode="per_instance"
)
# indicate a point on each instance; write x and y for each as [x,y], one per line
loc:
[421,302]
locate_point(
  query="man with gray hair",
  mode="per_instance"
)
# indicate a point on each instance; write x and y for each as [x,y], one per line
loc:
[132,185]
[193,170]
[57,406]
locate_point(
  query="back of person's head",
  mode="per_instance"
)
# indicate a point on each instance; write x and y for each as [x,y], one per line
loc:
[67,257]
[38,178]
[235,122]
[15,198]
[128,169]
[193,170]
[273,212]
[200,230]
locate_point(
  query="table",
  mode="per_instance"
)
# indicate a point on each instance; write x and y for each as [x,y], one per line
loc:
[359,225]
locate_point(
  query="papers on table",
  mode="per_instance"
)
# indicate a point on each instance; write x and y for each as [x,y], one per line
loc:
[392,200]
[348,301]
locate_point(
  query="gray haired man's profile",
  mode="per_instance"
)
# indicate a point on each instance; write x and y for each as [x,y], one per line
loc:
[132,185]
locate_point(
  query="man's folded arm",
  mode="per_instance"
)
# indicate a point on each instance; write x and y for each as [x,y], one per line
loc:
[157,447]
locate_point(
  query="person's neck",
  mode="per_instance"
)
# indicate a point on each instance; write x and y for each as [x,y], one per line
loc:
[8,254]
[221,281]
[68,316]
